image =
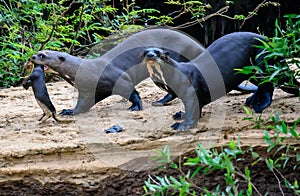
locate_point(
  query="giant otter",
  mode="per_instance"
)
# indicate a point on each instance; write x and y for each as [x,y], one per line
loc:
[210,75]
[116,72]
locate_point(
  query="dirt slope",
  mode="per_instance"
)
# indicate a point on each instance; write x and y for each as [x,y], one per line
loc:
[82,153]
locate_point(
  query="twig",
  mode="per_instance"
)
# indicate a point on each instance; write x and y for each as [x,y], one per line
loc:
[221,12]
[77,30]
[55,25]
[218,13]
[278,180]
[240,173]
[254,12]
[154,180]
[175,12]
[190,181]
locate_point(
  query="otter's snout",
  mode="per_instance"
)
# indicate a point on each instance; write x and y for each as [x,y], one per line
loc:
[152,53]
[33,57]
[40,56]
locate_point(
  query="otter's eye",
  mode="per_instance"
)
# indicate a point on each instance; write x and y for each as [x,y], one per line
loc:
[165,55]
[144,54]
[157,53]
[41,55]
[61,58]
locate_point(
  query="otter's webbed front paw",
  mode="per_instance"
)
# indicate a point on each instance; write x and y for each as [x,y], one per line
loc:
[136,101]
[164,101]
[262,98]
[183,126]
[67,112]
[136,107]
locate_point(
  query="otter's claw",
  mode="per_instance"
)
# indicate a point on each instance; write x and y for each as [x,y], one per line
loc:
[68,112]
[26,84]
[135,107]
[178,116]
[184,126]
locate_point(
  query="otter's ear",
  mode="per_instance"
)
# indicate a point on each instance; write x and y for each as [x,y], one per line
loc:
[61,58]
[165,55]
[143,54]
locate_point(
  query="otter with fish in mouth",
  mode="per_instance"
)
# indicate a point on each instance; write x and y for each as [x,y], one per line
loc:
[116,71]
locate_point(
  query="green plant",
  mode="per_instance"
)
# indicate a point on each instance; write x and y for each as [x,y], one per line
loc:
[205,162]
[29,26]
[281,139]
[283,146]
[284,49]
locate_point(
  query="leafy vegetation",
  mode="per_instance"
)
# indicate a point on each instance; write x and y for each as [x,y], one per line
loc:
[283,146]
[284,49]
[28,26]
[70,26]
[75,26]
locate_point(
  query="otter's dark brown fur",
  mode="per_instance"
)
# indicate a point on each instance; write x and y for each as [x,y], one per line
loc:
[210,75]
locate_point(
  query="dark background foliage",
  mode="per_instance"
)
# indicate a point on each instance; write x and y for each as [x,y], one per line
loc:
[75,26]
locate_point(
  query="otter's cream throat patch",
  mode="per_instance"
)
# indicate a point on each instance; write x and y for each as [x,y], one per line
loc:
[158,74]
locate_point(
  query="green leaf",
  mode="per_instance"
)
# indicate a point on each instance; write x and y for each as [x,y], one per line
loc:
[196,172]
[255,155]
[269,163]
[246,109]
[176,182]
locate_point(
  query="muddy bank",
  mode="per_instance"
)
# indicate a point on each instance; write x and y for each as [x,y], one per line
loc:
[80,156]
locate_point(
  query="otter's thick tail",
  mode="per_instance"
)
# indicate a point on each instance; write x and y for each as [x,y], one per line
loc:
[295,89]
[246,88]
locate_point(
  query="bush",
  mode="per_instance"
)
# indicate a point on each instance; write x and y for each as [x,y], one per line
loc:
[283,150]
[29,26]
[284,49]
[75,26]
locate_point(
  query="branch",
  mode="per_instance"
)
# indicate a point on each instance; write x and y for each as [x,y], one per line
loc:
[197,21]
[221,12]
[77,30]
[55,25]
[254,12]
[240,173]
[278,180]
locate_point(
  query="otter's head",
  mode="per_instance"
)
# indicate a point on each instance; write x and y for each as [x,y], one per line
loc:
[58,61]
[64,64]
[155,55]
[158,63]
